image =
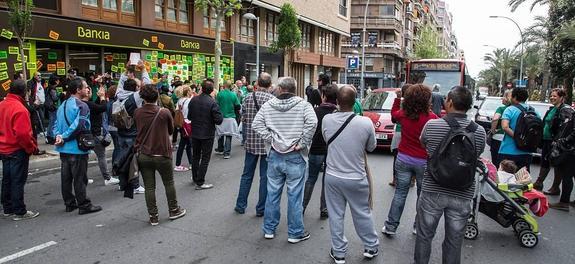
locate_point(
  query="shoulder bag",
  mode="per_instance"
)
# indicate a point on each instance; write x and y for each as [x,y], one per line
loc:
[85,139]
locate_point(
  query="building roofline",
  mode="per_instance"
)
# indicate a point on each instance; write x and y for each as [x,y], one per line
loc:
[300,17]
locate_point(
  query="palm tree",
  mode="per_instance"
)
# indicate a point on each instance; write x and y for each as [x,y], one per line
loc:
[504,60]
[568,31]
[514,4]
[534,67]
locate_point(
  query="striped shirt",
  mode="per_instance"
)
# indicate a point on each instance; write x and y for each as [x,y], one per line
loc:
[431,137]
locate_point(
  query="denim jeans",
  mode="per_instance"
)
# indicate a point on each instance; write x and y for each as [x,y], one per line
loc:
[315,163]
[250,164]
[74,174]
[403,180]
[115,141]
[430,208]
[185,144]
[226,146]
[148,167]
[285,169]
[125,143]
[14,175]
[51,123]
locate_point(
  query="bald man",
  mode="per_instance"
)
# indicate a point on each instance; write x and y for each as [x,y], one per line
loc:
[346,178]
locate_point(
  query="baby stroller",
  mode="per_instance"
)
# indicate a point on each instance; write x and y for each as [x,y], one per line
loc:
[504,203]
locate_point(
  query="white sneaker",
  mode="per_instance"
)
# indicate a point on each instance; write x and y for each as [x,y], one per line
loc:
[111,181]
[27,215]
[204,186]
[90,181]
[414,231]
[385,231]
[139,190]
[269,236]
[180,168]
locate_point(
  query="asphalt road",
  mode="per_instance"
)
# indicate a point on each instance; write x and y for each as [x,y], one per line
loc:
[212,232]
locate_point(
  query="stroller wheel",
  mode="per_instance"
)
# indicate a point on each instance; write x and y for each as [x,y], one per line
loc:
[520,225]
[528,239]
[471,231]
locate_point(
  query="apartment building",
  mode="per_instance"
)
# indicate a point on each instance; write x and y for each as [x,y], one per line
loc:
[391,32]
[173,37]
[322,23]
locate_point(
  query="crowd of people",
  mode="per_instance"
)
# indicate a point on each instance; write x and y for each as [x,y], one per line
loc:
[293,139]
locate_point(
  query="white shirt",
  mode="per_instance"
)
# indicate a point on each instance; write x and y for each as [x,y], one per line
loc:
[40,95]
[183,104]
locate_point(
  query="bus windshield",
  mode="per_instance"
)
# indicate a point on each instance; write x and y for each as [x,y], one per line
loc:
[445,79]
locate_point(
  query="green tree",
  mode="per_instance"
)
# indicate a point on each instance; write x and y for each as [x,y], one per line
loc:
[489,78]
[561,53]
[20,12]
[514,4]
[289,37]
[219,9]
[504,60]
[427,44]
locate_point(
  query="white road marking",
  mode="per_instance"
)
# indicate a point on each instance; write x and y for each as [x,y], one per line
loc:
[27,251]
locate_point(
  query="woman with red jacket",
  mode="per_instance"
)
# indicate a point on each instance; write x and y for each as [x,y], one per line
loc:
[412,156]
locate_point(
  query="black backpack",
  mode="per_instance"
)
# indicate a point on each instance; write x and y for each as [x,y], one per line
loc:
[453,163]
[528,133]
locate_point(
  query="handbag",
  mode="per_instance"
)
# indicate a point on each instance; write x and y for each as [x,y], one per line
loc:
[187,129]
[85,139]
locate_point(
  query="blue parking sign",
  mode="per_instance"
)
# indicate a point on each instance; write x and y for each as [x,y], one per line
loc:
[352,63]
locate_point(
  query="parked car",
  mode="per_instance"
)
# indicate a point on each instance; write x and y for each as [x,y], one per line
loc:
[486,110]
[377,107]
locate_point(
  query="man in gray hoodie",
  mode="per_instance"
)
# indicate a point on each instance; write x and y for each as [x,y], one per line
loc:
[287,125]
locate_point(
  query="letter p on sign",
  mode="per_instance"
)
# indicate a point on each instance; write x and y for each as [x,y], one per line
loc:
[352,63]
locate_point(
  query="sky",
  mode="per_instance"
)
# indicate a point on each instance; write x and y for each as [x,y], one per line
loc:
[474,28]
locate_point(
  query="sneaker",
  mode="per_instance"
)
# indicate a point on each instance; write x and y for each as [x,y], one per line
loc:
[71,208]
[177,213]
[560,206]
[154,221]
[337,260]
[388,232]
[305,236]
[239,211]
[204,186]
[7,215]
[180,168]
[259,214]
[370,253]
[90,181]
[27,215]
[219,152]
[227,156]
[572,203]
[89,210]
[269,236]
[414,231]
[111,181]
[139,190]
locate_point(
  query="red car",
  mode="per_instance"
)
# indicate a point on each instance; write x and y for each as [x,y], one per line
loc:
[377,107]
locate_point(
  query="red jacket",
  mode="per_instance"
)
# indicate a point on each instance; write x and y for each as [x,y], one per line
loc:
[410,130]
[15,126]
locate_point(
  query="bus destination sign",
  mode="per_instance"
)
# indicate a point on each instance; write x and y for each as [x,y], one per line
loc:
[435,66]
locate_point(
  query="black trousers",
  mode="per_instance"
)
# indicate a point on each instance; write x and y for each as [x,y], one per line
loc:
[74,175]
[567,172]
[202,152]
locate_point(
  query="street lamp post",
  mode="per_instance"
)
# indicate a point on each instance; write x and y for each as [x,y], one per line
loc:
[500,73]
[250,16]
[362,79]
[522,47]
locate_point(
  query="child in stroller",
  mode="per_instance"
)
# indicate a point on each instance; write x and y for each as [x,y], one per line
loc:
[504,196]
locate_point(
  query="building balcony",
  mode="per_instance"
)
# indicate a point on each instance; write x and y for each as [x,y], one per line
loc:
[380,48]
[377,23]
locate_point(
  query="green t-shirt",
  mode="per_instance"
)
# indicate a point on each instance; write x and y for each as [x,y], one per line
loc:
[357,109]
[227,100]
[547,124]
[500,111]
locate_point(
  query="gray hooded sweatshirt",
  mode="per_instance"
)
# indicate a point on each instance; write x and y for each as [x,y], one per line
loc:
[285,122]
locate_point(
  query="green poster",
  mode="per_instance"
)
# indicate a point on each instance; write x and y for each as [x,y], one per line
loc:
[18,66]
[61,72]
[178,57]
[3,76]
[148,57]
[184,57]
[121,65]
[3,54]
[160,55]
[3,66]
[114,68]
[52,55]
[31,65]
[6,33]
[146,42]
